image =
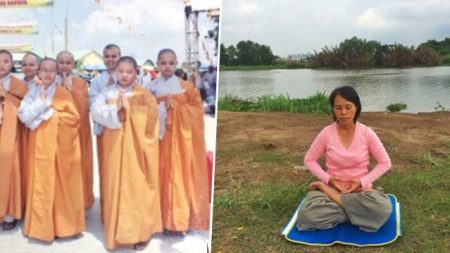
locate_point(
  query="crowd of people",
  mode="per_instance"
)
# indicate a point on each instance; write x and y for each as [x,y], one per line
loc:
[150,148]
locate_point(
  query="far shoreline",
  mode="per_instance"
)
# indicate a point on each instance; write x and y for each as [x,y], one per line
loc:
[284,67]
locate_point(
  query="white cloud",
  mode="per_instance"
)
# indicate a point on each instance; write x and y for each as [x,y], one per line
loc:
[303,26]
[246,7]
[371,19]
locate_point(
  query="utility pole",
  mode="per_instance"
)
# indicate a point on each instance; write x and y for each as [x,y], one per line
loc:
[66,41]
[66,32]
[191,35]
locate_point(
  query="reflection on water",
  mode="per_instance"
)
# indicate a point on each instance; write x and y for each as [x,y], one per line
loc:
[419,88]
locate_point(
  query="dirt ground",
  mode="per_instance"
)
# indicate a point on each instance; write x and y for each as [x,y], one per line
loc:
[252,149]
[402,134]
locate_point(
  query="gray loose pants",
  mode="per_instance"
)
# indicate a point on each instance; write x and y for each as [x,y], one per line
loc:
[367,210]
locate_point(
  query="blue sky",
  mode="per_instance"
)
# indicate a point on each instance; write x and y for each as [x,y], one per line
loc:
[302,26]
[140,27]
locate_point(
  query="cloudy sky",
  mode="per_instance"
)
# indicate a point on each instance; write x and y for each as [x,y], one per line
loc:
[302,26]
[140,27]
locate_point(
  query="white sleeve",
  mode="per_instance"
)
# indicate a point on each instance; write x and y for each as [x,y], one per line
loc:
[93,90]
[105,114]
[30,111]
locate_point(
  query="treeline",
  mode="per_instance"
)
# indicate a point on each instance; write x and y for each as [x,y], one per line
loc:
[246,53]
[360,53]
[351,53]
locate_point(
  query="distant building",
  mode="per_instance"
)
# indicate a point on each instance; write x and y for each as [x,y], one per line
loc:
[297,57]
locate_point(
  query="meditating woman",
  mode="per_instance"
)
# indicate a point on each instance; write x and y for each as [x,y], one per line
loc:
[345,192]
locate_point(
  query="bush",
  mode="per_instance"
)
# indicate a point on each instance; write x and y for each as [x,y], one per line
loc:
[317,103]
[396,107]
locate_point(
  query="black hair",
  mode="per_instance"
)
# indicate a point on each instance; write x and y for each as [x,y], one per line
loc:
[32,54]
[349,94]
[46,59]
[111,46]
[65,52]
[4,51]
[165,51]
[131,60]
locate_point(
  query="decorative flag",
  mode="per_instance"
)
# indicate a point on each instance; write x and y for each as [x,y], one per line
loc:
[17,48]
[18,28]
[25,3]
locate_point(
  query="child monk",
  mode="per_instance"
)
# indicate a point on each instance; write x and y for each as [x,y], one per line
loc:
[30,63]
[182,162]
[55,206]
[79,90]
[131,204]
[111,56]
[29,68]
[12,90]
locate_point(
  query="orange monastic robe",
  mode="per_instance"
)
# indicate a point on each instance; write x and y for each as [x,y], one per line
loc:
[185,197]
[11,146]
[131,205]
[80,97]
[55,203]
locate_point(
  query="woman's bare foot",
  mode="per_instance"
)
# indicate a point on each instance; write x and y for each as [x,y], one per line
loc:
[332,193]
[317,185]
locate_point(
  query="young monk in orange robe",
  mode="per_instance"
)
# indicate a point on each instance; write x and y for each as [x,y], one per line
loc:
[55,205]
[111,56]
[131,202]
[30,63]
[79,90]
[185,198]
[12,90]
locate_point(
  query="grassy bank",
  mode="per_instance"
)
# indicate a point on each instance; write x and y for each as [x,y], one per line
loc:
[422,191]
[317,103]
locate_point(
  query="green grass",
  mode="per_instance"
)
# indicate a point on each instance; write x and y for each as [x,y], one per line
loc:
[248,217]
[396,107]
[317,103]
[270,158]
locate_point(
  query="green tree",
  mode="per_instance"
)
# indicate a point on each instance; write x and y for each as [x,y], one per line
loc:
[351,53]
[398,56]
[232,56]
[427,56]
[252,53]
[224,57]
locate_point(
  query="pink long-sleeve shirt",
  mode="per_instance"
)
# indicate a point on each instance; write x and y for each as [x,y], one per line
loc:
[350,163]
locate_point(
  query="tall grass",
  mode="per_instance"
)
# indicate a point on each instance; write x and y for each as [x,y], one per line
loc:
[317,103]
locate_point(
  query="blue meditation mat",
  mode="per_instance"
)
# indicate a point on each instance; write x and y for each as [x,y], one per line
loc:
[346,233]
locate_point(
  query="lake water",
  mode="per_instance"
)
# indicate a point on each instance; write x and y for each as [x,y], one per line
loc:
[419,88]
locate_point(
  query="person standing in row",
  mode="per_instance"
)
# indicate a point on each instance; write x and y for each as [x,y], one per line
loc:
[54,205]
[79,90]
[29,68]
[30,63]
[131,201]
[111,56]
[183,170]
[12,90]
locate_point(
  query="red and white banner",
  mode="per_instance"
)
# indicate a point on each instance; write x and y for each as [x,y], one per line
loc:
[25,3]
